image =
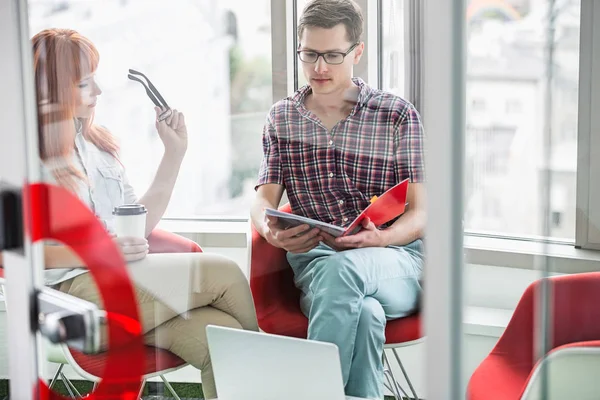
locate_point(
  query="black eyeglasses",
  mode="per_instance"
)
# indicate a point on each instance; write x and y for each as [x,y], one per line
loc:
[331,57]
[153,93]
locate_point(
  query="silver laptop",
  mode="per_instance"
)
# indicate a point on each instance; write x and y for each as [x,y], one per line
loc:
[258,366]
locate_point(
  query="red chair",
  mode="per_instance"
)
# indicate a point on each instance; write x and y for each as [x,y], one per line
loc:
[277,303]
[158,362]
[510,370]
[161,241]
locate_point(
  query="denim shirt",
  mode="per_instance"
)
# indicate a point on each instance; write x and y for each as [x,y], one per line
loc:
[106,187]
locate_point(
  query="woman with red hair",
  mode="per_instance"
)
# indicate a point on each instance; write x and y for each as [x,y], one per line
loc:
[202,288]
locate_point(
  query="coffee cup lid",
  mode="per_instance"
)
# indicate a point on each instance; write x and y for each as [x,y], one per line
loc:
[130,209]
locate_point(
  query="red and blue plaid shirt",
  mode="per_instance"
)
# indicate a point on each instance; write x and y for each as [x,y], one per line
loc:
[331,176]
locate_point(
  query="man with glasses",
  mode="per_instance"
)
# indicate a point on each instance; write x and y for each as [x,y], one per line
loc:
[333,145]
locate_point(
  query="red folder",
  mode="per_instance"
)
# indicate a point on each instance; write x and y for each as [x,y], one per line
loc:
[383,209]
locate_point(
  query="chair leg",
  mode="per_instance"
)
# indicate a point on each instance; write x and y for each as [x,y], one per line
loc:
[69,386]
[390,386]
[141,389]
[394,386]
[68,382]
[412,389]
[169,387]
[56,375]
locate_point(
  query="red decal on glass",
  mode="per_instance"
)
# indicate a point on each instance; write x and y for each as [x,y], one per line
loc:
[54,213]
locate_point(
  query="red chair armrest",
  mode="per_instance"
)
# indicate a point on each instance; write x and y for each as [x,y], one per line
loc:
[276,299]
[270,275]
[267,261]
[161,241]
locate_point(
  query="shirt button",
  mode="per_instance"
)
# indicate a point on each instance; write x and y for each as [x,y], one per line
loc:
[331,174]
[345,219]
[331,142]
[341,202]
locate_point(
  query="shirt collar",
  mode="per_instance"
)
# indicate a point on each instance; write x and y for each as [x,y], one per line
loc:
[364,94]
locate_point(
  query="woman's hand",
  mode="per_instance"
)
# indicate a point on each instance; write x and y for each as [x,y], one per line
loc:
[132,248]
[172,132]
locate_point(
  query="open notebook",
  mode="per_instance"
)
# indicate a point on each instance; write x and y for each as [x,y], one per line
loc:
[382,209]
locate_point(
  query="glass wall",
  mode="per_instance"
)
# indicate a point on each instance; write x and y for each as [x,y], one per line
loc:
[213,61]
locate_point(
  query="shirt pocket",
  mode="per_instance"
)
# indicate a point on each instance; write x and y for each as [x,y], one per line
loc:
[109,190]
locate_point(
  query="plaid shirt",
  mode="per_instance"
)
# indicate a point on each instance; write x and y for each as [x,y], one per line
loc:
[331,176]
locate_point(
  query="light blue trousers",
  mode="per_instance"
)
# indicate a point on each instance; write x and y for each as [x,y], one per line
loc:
[348,296]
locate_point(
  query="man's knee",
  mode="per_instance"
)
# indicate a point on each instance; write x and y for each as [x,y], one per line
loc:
[372,315]
[338,269]
[186,334]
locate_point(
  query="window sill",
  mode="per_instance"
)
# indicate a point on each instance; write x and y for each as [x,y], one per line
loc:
[206,225]
[479,249]
[533,255]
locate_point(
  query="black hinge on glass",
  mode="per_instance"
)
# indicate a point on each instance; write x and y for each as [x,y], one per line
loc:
[11,217]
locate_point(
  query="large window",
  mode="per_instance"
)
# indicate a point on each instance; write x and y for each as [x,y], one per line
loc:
[509,123]
[209,59]
[213,61]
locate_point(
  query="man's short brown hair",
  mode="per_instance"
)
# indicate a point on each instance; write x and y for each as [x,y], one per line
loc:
[329,13]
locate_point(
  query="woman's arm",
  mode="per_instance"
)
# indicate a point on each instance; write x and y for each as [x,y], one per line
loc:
[173,133]
[159,193]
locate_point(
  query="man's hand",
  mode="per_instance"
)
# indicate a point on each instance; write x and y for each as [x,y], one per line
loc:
[132,248]
[369,236]
[298,239]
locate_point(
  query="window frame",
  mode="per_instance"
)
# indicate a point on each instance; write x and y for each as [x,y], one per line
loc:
[587,220]
[443,113]
[284,17]
[413,55]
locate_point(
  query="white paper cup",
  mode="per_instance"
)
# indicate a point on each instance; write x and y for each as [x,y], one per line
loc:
[130,220]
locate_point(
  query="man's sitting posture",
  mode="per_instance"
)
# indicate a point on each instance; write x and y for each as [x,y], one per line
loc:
[332,146]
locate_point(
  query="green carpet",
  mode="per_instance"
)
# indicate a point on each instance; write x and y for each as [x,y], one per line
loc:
[152,391]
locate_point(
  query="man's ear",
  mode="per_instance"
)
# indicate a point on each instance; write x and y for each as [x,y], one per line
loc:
[358,52]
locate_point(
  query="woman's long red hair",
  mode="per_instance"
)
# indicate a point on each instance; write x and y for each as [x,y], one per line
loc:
[62,58]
